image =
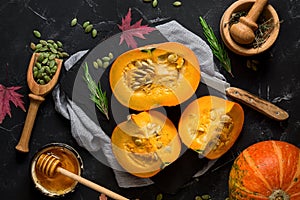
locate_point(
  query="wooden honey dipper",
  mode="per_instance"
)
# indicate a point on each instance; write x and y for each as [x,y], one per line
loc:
[243,31]
[50,165]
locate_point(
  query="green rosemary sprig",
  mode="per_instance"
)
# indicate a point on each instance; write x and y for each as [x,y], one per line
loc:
[97,95]
[217,48]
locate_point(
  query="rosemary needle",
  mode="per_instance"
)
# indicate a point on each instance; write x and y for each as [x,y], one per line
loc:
[217,48]
[97,95]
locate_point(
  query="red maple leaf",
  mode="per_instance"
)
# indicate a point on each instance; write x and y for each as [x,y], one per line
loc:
[131,31]
[7,95]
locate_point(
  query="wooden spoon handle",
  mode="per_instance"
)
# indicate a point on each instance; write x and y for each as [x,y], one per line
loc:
[90,184]
[35,102]
[257,103]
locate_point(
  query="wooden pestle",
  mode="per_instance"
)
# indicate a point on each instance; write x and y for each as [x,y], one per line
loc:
[50,165]
[243,31]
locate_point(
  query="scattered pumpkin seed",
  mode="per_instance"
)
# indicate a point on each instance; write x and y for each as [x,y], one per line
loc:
[177,3]
[50,41]
[105,64]
[99,62]
[198,198]
[206,197]
[106,59]
[95,64]
[38,46]
[74,22]
[65,54]
[154,3]
[110,55]
[88,28]
[37,33]
[94,33]
[159,196]
[85,24]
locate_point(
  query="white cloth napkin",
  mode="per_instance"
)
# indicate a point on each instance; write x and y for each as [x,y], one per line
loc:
[90,135]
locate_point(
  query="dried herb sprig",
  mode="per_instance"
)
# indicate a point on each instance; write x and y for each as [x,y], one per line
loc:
[217,48]
[97,95]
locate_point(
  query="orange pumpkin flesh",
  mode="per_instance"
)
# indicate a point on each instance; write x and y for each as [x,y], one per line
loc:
[266,170]
[145,143]
[165,74]
[210,125]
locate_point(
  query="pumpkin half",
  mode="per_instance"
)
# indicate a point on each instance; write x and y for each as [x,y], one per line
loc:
[145,143]
[268,170]
[210,125]
[164,74]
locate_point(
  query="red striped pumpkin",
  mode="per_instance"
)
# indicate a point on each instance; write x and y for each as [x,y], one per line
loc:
[268,170]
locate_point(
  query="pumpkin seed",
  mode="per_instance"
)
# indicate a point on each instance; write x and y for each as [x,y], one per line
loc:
[43,49]
[147,1]
[59,44]
[40,58]
[85,24]
[53,50]
[47,79]
[55,45]
[159,196]
[52,56]
[154,3]
[65,54]
[95,64]
[50,41]
[198,198]
[32,46]
[37,33]
[206,197]
[74,22]
[106,59]
[110,55]
[88,28]
[45,61]
[94,33]
[43,42]
[35,73]
[105,64]
[38,46]
[99,62]
[42,82]
[52,63]
[177,3]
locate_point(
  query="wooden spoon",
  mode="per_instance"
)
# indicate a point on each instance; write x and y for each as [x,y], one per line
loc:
[243,31]
[36,98]
[50,165]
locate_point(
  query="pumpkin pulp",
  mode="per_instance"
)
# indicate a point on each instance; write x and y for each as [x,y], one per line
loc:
[145,143]
[165,74]
[210,125]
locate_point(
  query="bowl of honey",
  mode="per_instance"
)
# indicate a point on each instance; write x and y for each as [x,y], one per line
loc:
[58,185]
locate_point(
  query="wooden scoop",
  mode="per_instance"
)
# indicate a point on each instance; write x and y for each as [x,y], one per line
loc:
[50,165]
[243,31]
[36,98]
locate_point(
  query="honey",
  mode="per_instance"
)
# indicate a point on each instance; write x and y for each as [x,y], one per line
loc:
[59,184]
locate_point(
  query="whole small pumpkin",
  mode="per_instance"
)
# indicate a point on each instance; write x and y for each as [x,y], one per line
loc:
[266,170]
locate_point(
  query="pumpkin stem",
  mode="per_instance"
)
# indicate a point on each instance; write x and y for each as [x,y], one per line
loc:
[279,195]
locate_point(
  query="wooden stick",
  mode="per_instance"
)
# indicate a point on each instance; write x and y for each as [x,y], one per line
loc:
[91,185]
